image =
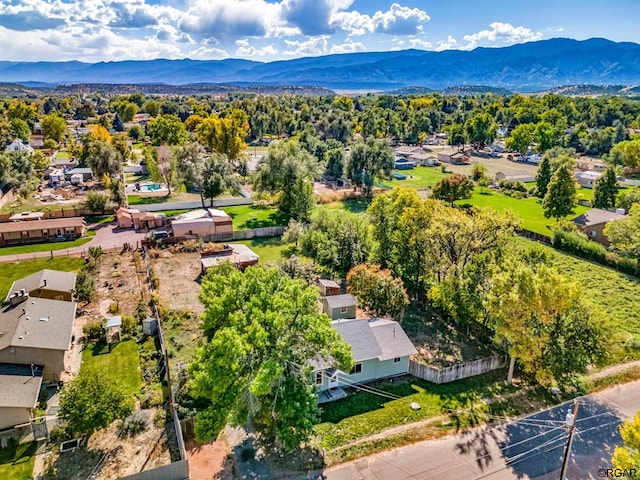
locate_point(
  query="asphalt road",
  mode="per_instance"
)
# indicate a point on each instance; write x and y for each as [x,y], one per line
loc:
[531,447]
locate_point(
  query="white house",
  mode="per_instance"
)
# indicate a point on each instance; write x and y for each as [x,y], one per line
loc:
[588,179]
[380,349]
[18,146]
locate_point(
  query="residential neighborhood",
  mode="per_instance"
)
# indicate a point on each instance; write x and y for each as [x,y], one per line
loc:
[308,280]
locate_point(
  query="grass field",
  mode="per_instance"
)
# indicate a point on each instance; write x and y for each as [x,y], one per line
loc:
[616,294]
[44,247]
[16,463]
[121,364]
[14,271]
[529,210]
[254,216]
[270,249]
[351,205]
[419,177]
[362,414]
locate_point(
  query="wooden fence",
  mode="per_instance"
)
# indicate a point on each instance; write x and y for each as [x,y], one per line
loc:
[455,372]
[538,237]
[61,213]
[220,237]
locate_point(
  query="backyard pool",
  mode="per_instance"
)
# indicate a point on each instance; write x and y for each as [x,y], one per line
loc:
[149,187]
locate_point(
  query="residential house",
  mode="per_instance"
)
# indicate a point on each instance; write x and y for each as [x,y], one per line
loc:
[593,221]
[14,233]
[340,306]
[37,331]
[519,176]
[404,164]
[134,218]
[87,173]
[328,287]
[64,163]
[202,222]
[52,284]
[26,216]
[587,179]
[19,393]
[380,349]
[18,146]
[240,255]
[453,157]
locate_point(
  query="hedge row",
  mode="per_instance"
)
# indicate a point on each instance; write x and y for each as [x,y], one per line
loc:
[580,246]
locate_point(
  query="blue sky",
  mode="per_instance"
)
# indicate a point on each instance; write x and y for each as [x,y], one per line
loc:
[265,30]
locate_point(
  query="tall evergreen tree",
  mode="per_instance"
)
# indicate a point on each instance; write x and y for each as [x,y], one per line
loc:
[606,189]
[560,199]
[543,176]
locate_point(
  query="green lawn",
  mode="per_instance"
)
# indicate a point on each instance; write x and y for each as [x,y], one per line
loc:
[62,155]
[16,463]
[419,177]
[255,216]
[14,271]
[44,247]
[351,205]
[270,249]
[121,364]
[362,414]
[616,294]
[529,210]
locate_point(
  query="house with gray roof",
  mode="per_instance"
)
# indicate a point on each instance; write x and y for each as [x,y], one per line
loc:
[46,283]
[340,306]
[19,393]
[37,331]
[380,349]
[592,223]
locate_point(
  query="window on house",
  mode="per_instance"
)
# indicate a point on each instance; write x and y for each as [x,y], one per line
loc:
[397,360]
[357,368]
[318,378]
[343,310]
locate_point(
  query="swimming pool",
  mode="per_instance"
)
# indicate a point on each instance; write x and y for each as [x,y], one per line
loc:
[150,187]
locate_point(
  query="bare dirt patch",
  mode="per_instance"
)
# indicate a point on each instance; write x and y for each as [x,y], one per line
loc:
[179,275]
[209,461]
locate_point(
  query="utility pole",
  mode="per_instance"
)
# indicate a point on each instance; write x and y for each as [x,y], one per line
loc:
[571,423]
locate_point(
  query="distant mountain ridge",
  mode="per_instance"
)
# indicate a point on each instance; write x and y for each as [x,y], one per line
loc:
[532,66]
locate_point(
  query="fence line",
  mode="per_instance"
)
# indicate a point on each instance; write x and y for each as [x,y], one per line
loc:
[454,372]
[62,213]
[538,237]
[220,237]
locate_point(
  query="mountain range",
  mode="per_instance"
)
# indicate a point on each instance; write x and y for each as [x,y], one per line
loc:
[532,66]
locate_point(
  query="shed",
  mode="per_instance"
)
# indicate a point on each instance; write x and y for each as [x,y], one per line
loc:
[113,328]
[340,306]
[87,173]
[328,287]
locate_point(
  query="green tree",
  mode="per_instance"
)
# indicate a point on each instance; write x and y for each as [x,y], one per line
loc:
[101,157]
[303,199]
[543,176]
[628,198]
[456,135]
[521,138]
[627,456]
[218,177]
[20,129]
[54,126]
[544,323]
[606,189]
[85,286]
[337,241]
[161,164]
[560,199]
[624,234]
[480,130]
[92,402]
[95,253]
[369,159]
[478,170]
[377,290]
[96,201]
[224,136]
[628,151]
[278,172]
[167,130]
[455,187]
[545,136]
[127,110]
[262,330]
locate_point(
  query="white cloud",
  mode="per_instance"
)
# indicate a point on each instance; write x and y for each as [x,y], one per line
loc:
[503,34]
[449,44]
[398,20]
[245,49]
[348,47]
[420,43]
[204,53]
[312,46]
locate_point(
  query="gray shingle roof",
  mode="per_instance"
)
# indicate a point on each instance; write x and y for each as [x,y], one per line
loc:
[374,338]
[55,280]
[38,323]
[341,301]
[328,283]
[596,216]
[20,385]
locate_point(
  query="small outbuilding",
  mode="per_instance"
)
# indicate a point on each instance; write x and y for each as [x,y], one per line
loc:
[113,329]
[328,287]
[588,179]
[202,222]
[340,306]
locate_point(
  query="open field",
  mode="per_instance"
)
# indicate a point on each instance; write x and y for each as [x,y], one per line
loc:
[419,177]
[255,216]
[12,271]
[529,210]
[616,294]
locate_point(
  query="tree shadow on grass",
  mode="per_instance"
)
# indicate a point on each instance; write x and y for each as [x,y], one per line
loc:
[356,205]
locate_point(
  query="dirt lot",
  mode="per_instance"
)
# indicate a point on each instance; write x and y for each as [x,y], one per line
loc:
[179,276]
[121,282]
[209,461]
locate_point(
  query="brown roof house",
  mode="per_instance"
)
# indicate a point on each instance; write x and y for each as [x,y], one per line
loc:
[592,223]
[37,331]
[34,231]
[202,222]
[134,218]
[19,393]
[46,283]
